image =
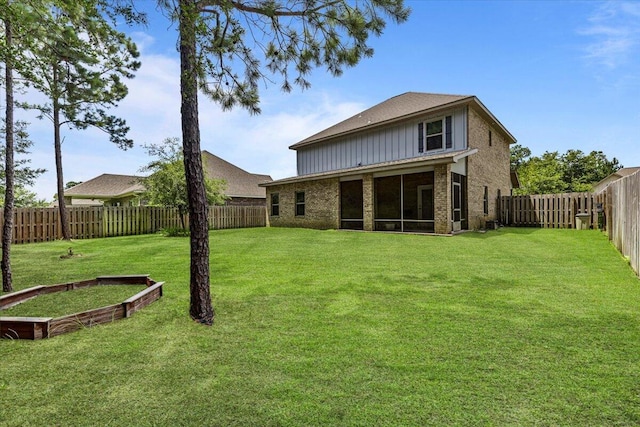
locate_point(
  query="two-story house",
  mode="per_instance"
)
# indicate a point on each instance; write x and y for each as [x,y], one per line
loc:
[417,162]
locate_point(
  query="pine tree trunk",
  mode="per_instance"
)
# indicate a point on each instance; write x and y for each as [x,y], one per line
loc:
[201,308]
[7,228]
[57,144]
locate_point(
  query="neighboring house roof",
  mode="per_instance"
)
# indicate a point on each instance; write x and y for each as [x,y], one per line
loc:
[107,186]
[436,159]
[240,183]
[402,107]
[620,173]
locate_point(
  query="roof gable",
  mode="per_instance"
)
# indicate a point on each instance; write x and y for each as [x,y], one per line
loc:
[398,108]
[240,183]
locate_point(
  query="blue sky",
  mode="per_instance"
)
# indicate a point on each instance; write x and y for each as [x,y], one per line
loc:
[559,75]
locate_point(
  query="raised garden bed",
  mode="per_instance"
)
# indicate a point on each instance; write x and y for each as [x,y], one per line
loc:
[34,328]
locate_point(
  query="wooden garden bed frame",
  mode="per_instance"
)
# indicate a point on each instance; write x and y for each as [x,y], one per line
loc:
[34,328]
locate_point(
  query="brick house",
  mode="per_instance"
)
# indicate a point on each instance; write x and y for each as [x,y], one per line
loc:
[417,162]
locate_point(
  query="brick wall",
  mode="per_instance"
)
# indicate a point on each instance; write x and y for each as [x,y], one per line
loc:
[368,200]
[322,204]
[442,198]
[488,167]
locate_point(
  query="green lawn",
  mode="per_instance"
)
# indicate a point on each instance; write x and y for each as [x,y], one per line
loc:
[512,327]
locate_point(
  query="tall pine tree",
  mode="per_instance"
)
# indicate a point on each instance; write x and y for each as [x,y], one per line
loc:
[80,64]
[228,47]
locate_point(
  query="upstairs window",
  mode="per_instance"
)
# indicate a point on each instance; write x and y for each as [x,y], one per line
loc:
[299,203]
[434,135]
[275,204]
[437,133]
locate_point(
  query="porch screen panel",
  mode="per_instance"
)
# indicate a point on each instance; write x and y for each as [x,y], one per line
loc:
[388,203]
[388,197]
[413,204]
[418,202]
[351,205]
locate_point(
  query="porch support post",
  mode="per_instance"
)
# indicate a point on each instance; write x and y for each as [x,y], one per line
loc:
[442,198]
[367,201]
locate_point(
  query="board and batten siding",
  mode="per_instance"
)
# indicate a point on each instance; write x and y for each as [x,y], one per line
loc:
[386,144]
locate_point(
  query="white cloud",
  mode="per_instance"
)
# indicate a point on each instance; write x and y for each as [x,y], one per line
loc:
[615,32]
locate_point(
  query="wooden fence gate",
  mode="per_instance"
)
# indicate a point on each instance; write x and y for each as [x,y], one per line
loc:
[549,210]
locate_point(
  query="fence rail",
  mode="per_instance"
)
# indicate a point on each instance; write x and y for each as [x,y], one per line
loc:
[549,210]
[32,225]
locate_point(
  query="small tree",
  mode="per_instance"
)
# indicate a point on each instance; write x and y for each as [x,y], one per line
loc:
[166,185]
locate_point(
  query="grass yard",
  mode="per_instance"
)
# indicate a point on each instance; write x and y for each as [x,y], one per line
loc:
[314,328]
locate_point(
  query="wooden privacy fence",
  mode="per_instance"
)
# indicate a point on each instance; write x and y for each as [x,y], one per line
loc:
[622,215]
[32,225]
[549,210]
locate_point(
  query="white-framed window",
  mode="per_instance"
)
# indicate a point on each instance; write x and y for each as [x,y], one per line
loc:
[435,134]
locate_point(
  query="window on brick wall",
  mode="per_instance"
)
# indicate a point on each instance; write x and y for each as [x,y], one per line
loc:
[490,138]
[486,200]
[300,203]
[275,204]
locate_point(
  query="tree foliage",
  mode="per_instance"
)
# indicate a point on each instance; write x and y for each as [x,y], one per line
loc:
[228,47]
[552,172]
[243,43]
[25,175]
[166,185]
[81,67]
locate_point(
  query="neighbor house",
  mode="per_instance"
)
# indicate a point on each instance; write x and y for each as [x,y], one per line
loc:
[620,173]
[125,190]
[106,190]
[417,162]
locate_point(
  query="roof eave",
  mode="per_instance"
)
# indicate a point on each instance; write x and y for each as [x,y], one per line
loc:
[453,158]
[105,196]
[494,119]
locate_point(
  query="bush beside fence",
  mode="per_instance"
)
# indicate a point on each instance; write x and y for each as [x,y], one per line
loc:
[43,224]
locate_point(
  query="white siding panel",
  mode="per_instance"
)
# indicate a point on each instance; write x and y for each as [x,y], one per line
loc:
[394,143]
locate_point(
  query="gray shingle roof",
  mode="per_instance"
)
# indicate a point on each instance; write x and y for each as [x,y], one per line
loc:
[240,183]
[399,107]
[106,186]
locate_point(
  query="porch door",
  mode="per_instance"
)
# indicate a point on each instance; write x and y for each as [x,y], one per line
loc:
[425,203]
[456,202]
[351,205]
